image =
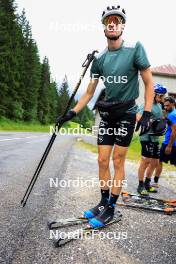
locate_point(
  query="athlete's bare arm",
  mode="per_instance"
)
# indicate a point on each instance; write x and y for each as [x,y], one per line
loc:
[171,141]
[87,96]
[173,135]
[149,91]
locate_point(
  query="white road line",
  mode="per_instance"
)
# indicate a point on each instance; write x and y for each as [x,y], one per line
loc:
[34,141]
[10,139]
[32,137]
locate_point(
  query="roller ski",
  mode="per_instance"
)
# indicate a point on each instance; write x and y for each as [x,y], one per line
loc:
[83,232]
[126,196]
[148,203]
[66,222]
[87,215]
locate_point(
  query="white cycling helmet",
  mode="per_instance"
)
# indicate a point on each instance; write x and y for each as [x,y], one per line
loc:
[119,11]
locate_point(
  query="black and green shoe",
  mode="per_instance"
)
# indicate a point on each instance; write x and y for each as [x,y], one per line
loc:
[142,191]
[150,188]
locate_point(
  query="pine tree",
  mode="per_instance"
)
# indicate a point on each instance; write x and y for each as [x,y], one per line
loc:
[26,91]
[43,95]
[32,71]
[63,96]
[3,54]
[53,102]
[10,61]
[85,117]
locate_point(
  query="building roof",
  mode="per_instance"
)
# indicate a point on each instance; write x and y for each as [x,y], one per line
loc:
[165,70]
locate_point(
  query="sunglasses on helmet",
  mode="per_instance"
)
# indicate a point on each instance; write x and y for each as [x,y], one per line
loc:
[112,20]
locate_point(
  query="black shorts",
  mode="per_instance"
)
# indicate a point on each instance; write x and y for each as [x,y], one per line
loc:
[171,157]
[150,149]
[119,132]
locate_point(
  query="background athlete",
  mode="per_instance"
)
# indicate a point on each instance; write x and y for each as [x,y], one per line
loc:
[150,149]
[118,61]
[168,148]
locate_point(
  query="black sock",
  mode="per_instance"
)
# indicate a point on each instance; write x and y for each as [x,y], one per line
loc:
[113,199]
[141,183]
[156,178]
[147,181]
[105,194]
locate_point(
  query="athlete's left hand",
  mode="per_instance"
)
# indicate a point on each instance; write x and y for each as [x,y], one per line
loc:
[144,123]
[168,150]
[67,117]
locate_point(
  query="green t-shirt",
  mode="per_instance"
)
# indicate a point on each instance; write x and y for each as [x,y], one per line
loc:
[119,70]
[156,112]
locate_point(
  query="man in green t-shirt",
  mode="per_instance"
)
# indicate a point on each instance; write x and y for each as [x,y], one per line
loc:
[150,150]
[118,66]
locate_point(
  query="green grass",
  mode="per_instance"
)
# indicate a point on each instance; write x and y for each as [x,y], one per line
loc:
[134,151]
[20,126]
[92,148]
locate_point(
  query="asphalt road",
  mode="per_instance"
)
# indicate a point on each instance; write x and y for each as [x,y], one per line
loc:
[19,156]
[140,237]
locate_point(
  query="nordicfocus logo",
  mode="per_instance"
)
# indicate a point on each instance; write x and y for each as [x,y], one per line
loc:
[121,131]
[80,234]
[80,131]
[111,79]
[88,183]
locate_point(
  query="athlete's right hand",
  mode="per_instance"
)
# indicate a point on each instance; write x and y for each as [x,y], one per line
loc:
[144,123]
[67,117]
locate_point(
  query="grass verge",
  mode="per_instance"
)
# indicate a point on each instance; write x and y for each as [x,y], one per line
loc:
[20,126]
[134,152]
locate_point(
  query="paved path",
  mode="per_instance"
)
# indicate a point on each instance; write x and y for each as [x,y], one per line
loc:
[140,237]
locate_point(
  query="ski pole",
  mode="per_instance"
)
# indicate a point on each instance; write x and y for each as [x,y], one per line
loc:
[85,65]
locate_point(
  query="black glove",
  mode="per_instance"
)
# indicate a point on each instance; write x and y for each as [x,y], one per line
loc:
[144,123]
[66,118]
